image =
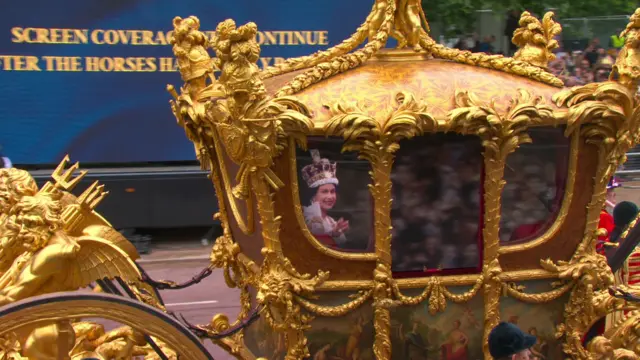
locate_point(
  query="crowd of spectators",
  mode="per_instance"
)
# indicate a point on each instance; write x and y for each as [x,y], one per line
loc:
[437,191]
[580,67]
[436,206]
[535,175]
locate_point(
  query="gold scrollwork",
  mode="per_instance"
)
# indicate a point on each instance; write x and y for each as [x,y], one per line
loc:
[589,272]
[501,134]
[376,140]
[280,283]
[60,309]
[607,115]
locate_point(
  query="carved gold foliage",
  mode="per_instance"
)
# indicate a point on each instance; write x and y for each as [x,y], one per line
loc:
[373,138]
[237,274]
[607,115]
[590,272]
[501,134]
[602,348]
[536,39]
[279,285]
[627,66]
[376,140]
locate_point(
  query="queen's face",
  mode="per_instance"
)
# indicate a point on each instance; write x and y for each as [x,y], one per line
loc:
[326,196]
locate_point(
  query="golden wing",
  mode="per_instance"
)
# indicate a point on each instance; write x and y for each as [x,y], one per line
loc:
[98,259]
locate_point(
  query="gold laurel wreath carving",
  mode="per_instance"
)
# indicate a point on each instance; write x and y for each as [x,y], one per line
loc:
[305,62]
[437,295]
[340,64]
[337,310]
[515,291]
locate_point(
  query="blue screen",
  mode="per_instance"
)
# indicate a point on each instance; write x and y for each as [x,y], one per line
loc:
[116,116]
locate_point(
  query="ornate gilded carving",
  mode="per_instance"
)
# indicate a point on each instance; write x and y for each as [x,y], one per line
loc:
[50,246]
[601,348]
[405,21]
[606,114]
[376,140]
[536,39]
[345,62]
[409,20]
[627,66]
[280,283]
[501,134]
[590,272]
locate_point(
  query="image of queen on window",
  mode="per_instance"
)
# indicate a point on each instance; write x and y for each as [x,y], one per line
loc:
[320,178]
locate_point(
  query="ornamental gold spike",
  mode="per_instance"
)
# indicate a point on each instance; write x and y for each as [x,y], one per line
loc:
[535,39]
[627,67]
[64,179]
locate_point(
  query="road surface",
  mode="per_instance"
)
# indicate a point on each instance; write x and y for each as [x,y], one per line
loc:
[200,302]
[180,261]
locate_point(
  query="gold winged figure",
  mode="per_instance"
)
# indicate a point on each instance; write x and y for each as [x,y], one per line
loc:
[51,241]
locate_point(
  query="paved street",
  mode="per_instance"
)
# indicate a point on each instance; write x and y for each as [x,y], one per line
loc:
[199,302]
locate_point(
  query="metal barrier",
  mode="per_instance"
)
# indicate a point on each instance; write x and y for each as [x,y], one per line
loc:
[577,32]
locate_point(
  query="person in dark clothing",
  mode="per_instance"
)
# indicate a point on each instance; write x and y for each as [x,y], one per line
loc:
[623,214]
[486,46]
[513,19]
[592,52]
[414,346]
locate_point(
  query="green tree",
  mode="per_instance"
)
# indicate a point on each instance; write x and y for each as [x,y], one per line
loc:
[459,16]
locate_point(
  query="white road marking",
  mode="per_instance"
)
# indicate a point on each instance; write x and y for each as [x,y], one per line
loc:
[194,303]
[178,259]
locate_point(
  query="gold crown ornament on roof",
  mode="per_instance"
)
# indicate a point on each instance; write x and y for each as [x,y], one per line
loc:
[319,172]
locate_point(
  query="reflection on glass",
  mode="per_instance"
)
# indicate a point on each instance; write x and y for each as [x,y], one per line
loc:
[334,196]
[436,213]
[536,176]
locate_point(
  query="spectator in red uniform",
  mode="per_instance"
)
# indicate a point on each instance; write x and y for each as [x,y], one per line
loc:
[606,219]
